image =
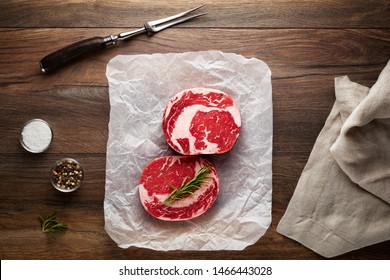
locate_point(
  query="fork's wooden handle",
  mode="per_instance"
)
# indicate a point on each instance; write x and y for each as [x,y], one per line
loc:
[59,58]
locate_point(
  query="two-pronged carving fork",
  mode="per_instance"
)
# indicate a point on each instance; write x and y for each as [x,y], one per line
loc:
[71,52]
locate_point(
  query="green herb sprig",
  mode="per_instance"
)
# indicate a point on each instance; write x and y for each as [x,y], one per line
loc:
[51,226]
[187,189]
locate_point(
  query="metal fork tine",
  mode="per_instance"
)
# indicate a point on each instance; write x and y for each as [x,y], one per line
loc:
[160,21]
[161,27]
[154,26]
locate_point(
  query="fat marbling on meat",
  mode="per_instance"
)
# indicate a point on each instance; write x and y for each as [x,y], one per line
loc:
[201,121]
[161,174]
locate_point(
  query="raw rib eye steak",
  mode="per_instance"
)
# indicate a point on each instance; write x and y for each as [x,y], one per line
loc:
[162,175]
[201,121]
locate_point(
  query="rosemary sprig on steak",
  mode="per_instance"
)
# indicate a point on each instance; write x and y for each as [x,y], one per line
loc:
[187,189]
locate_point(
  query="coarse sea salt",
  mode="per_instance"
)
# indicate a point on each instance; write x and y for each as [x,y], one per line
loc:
[36,136]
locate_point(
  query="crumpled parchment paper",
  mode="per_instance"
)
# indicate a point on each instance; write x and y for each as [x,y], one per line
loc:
[140,86]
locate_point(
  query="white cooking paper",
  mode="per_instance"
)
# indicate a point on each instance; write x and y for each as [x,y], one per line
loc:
[140,86]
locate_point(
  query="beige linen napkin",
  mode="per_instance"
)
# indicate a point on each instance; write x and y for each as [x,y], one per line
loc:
[341,202]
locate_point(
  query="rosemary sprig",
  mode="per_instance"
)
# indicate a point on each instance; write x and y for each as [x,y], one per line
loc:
[50,225]
[187,189]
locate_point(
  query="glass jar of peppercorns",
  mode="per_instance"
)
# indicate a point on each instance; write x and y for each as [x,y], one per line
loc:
[66,175]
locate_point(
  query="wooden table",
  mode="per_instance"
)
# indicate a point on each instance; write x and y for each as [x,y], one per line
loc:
[305,43]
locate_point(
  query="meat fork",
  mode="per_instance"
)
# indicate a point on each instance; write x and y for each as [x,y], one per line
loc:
[62,56]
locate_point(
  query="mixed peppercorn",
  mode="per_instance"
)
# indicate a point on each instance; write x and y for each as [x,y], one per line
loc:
[67,174]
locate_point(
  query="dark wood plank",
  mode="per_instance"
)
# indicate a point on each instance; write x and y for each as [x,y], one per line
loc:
[290,53]
[221,13]
[78,116]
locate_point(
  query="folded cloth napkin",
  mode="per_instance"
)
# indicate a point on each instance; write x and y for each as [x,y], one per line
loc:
[342,200]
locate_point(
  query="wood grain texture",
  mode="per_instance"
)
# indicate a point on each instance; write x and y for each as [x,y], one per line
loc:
[306,45]
[221,13]
[290,52]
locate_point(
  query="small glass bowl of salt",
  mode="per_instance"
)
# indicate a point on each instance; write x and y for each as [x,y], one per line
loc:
[36,136]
